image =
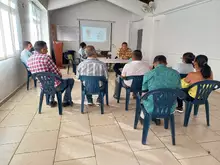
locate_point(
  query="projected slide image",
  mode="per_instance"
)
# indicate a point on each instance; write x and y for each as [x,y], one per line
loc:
[94,34]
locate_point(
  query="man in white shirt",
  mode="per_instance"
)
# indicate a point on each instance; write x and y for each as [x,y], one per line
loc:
[26,53]
[136,67]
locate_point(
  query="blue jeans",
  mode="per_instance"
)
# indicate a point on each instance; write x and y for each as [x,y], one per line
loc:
[67,86]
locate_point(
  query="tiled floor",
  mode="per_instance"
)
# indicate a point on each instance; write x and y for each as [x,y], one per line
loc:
[27,138]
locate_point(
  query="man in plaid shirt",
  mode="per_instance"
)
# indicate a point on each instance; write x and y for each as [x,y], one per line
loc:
[42,62]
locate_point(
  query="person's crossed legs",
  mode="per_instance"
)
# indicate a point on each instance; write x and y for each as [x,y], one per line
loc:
[67,86]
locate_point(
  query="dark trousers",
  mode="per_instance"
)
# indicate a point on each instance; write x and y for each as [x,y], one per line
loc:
[67,86]
[188,98]
[117,68]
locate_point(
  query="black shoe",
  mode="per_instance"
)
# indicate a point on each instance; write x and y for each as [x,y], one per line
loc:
[66,104]
[179,109]
[141,121]
[157,121]
[53,104]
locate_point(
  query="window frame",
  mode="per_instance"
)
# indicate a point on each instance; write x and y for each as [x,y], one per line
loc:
[10,11]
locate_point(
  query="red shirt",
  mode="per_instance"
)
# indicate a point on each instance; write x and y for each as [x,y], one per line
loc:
[43,63]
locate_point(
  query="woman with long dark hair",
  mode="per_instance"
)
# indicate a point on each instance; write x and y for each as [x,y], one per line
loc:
[202,72]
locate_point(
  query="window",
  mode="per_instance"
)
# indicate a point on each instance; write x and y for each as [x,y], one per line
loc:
[9,29]
[35,23]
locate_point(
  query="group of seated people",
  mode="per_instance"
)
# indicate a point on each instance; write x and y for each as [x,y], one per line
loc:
[155,77]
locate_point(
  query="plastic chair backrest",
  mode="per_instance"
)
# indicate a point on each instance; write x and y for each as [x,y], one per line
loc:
[47,81]
[137,82]
[163,99]
[204,88]
[93,84]
[183,76]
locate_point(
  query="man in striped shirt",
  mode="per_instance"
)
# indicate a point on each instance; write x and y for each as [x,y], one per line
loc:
[42,62]
[92,67]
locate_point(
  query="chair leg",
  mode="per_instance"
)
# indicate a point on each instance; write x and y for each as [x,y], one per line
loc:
[172,124]
[82,102]
[68,69]
[187,113]
[106,95]
[102,103]
[47,99]
[145,129]
[119,91]
[207,112]
[166,123]
[59,99]
[196,110]
[35,83]
[127,99]
[41,101]
[137,112]
[27,82]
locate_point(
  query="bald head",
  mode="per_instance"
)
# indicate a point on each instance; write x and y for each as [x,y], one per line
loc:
[90,51]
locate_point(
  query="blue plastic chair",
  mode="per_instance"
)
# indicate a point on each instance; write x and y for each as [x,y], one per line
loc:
[204,88]
[164,100]
[47,81]
[136,88]
[28,77]
[91,85]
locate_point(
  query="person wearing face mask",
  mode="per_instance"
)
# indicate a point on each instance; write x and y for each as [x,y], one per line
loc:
[160,77]
[40,61]
[202,72]
[27,52]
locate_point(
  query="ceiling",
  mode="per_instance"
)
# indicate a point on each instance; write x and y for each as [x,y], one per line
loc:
[134,6]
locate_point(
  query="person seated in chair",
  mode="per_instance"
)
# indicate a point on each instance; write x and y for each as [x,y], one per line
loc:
[184,68]
[134,68]
[160,77]
[82,52]
[92,67]
[203,72]
[42,62]
[124,53]
[26,53]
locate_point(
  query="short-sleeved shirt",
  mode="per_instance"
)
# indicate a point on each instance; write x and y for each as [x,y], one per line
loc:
[25,55]
[183,68]
[92,67]
[134,68]
[160,77]
[124,54]
[43,63]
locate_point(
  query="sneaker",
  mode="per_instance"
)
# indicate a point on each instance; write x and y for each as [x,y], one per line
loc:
[179,109]
[53,104]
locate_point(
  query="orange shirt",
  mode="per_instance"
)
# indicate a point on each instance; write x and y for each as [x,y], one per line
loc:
[124,54]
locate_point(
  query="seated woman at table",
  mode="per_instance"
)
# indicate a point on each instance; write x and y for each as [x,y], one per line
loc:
[184,68]
[134,68]
[203,72]
[124,53]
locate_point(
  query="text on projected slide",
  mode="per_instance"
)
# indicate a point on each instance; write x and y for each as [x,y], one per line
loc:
[94,34]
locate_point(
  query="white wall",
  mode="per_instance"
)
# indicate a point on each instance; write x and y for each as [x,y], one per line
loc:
[194,29]
[96,10]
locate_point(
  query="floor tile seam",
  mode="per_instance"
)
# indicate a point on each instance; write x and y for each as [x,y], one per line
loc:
[60,161]
[54,158]
[21,139]
[93,145]
[127,141]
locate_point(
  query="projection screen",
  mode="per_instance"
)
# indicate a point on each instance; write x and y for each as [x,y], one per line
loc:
[96,33]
